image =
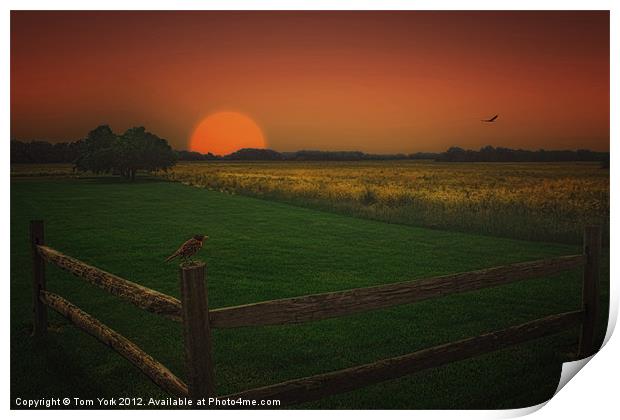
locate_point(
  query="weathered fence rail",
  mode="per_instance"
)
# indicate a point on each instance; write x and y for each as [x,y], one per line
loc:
[143,297]
[193,312]
[347,302]
[157,372]
[319,386]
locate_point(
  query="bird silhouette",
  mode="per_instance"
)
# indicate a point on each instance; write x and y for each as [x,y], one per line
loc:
[189,248]
[490,120]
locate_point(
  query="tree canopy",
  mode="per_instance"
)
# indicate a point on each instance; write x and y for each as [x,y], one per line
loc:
[102,151]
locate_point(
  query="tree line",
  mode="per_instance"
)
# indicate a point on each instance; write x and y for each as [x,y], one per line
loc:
[136,149]
[453,154]
[102,151]
[502,154]
[301,155]
[39,151]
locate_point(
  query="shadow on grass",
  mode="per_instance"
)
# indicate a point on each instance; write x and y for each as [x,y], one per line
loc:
[48,357]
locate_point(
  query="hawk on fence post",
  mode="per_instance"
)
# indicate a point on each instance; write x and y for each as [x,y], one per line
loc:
[189,248]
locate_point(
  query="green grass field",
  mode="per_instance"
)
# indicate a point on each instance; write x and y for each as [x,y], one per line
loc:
[262,250]
[534,201]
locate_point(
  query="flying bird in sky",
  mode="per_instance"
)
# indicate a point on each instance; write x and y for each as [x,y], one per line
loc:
[189,248]
[490,120]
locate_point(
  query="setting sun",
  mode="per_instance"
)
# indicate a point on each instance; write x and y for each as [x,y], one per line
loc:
[225,132]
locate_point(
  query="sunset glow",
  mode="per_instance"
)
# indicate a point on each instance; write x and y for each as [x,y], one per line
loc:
[379,82]
[226,132]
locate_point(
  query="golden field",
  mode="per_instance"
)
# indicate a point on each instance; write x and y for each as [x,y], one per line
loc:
[42,169]
[538,201]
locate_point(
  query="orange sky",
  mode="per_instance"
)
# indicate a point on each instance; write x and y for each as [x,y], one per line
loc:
[372,81]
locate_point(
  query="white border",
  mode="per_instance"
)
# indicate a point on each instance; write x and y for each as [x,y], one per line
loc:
[591,394]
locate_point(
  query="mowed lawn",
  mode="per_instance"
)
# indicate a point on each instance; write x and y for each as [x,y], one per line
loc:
[262,250]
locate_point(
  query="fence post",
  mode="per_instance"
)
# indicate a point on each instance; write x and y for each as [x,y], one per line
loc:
[196,331]
[39,309]
[590,293]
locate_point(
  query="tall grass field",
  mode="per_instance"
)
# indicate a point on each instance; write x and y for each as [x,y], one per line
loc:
[267,249]
[532,201]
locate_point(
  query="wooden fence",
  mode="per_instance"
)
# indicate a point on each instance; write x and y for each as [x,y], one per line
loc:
[198,320]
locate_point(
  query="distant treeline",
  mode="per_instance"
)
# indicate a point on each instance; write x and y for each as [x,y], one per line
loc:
[502,154]
[454,154]
[46,152]
[302,155]
[102,151]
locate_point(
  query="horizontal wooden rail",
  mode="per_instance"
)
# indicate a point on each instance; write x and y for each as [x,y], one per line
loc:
[315,387]
[334,304]
[143,297]
[157,372]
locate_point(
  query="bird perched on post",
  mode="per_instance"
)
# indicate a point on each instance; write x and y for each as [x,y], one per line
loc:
[189,248]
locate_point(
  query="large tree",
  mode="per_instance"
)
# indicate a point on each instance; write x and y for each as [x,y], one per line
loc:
[103,152]
[95,151]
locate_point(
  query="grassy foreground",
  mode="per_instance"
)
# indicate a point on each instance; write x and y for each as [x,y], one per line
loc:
[263,250]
